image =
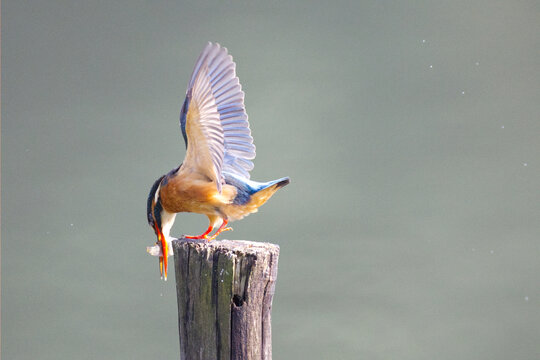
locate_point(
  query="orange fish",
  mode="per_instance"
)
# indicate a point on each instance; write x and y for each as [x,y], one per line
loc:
[214,178]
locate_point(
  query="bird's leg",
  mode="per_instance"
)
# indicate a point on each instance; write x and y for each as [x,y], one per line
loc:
[202,236]
[221,229]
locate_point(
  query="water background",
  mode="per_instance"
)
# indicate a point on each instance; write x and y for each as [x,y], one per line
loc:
[410,131]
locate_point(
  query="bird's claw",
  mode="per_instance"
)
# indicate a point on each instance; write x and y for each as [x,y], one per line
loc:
[207,238]
[198,237]
[219,232]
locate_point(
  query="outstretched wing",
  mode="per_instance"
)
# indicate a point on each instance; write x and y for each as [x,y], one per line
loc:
[213,118]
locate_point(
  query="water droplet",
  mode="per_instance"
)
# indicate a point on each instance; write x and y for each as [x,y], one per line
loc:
[524,164]
[431,66]
[70,224]
[502,127]
[463,93]
[160,294]
[526,298]
[491,251]
[423,41]
[477,63]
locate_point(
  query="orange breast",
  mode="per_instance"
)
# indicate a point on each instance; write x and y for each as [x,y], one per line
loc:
[193,192]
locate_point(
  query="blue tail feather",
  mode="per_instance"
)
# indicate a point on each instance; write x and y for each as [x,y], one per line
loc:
[247,187]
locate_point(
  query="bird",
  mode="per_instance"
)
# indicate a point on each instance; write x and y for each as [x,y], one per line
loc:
[214,178]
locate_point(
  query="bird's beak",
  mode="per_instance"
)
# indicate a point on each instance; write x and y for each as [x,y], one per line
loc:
[163,262]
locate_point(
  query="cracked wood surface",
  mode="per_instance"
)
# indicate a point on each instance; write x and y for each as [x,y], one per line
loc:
[225,290]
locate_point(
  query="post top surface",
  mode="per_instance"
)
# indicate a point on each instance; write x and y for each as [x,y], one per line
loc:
[236,246]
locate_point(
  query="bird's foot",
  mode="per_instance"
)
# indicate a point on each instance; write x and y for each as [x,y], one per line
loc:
[198,237]
[205,236]
[202,236]
[219,232]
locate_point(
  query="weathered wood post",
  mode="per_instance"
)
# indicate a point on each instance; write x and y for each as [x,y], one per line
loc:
[225,290]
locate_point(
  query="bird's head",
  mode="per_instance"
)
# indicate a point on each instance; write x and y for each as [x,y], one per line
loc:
[154,212]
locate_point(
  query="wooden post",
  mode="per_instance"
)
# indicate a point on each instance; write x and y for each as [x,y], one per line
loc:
[225,290]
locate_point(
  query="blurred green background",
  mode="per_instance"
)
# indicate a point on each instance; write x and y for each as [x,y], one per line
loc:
[410,131]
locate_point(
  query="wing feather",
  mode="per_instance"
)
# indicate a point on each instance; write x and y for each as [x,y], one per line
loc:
[213,119]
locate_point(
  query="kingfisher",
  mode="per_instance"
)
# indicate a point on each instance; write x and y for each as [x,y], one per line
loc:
[214,177]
